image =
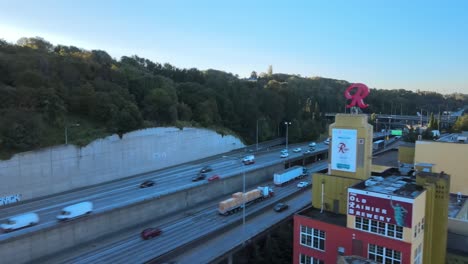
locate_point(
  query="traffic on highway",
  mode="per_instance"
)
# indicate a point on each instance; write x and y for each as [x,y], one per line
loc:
[125,192]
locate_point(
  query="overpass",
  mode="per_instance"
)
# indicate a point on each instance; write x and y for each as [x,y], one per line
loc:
[398,121]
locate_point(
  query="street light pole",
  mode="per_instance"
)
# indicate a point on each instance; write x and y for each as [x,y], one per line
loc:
[261,119]
[66,131]
[243,202]
[287,126]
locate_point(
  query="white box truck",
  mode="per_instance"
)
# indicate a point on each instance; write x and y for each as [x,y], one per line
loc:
[288,175]
[20,221]
[75,210]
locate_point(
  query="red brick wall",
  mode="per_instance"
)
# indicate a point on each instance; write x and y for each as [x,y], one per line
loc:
[338,236]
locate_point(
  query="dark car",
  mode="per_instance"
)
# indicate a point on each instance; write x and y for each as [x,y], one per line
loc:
[281,207]
[206,169]
[214,178]
[199,177]
[147,183]
[150,233]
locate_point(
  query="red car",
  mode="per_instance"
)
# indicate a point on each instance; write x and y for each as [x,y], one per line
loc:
[150,233]
[214,178]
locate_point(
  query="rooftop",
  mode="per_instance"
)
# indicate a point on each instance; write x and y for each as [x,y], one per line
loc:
[328,217]
[355,260]
[456,203]
[404,186]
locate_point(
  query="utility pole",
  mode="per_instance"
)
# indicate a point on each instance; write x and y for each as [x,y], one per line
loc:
[287,126]
[66,131]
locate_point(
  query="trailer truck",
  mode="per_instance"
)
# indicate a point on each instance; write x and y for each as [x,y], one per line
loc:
[288,175]
[236,202]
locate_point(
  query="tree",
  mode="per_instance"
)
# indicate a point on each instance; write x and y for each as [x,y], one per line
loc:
[36,43]
[431,122]
[23,132]
[461,124]
[253,75]
[270,70]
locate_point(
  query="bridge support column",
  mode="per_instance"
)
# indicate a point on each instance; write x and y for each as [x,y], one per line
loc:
[229,259]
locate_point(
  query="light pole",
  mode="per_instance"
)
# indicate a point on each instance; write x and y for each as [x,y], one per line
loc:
[261,119]
[66,131]
[243,195]
[287,126]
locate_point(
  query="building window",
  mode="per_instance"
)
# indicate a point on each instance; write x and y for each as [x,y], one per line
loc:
[418,255]
[304,259]
[313,238]
[384,255]
[378,227]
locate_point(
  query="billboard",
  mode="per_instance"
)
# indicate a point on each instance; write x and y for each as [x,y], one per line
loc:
[343,154]
[380,207]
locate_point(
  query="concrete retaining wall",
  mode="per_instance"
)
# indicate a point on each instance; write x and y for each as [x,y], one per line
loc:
[62,168]
[45,242]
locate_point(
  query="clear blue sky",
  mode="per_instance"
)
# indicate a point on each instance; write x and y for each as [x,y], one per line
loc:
[384,44]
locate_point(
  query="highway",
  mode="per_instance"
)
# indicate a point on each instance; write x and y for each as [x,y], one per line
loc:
[212,249]
[202,222]
[123,192]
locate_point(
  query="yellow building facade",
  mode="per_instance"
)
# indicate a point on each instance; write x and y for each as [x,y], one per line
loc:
[451,158]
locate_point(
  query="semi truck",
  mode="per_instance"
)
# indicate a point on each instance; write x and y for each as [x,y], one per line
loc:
[235,203]
[288,175]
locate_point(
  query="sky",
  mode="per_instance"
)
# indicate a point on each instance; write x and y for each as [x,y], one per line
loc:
[394,44]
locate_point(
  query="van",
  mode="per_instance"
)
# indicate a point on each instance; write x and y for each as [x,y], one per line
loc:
[20,221]
[250,159]
[76,210]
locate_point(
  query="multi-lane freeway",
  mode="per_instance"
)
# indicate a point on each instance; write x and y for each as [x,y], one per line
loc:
[124,192]
[201,222]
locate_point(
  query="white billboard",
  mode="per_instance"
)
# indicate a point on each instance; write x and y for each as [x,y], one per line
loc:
[343,154]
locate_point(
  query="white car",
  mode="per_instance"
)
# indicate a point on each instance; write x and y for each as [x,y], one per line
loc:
[312,144]
[302,184]
[284,151]
[297,150]
[327,141]
[284,154]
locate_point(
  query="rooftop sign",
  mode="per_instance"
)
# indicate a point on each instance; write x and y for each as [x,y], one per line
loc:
[357,98]
[375,207]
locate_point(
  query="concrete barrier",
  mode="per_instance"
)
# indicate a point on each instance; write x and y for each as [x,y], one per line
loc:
[39,244]
[62,168]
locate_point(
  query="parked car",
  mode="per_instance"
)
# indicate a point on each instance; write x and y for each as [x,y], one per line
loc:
[206,169]
[199,177]
[75,210]
[297,150]
[214,178]
[20,221]
[284,155]
[147,183]
[302,184]
[280,207]
[150,233]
